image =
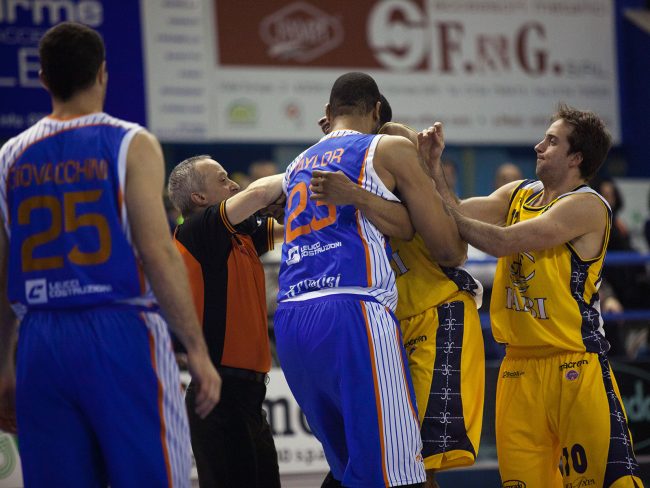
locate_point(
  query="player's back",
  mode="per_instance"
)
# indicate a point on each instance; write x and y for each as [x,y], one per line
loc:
[334,249]
[62,185]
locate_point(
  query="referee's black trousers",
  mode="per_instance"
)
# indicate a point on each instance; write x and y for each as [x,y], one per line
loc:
[233,446]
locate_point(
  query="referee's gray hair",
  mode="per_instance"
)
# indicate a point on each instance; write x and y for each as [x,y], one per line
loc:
[183,181]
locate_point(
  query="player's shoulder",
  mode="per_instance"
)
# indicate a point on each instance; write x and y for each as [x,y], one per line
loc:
[393,142]
[11,149]
[399,129]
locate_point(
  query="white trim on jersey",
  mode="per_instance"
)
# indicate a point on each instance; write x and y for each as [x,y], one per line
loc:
[121,171]
[400,425]
[47,127]
[176,429]
[382,286]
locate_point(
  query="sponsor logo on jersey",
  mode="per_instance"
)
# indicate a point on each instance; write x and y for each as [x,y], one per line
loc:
[310,284]
[573,364]
[293,255]
[296,253]
[580,482]
[415,340]
[36,291]
[513,484]
[512,374]
[69,288]
[571,375]
[411,345]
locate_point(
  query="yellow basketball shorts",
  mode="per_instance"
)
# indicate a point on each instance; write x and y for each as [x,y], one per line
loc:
[446,358]
[560,423]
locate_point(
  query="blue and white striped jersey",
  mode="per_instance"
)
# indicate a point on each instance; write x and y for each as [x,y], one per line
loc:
[334,249]
[62,188]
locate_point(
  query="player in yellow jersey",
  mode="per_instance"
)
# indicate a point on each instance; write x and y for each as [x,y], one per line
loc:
[557,399]
[441,330]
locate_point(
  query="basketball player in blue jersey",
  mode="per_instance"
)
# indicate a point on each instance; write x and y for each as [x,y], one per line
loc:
[557,398]
[98,397]
[337,337]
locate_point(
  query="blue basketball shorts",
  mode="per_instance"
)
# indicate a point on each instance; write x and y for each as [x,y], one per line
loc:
[346,366]
[99,401]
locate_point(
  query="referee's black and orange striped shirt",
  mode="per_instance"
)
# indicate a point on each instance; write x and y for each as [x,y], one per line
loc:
[227,280]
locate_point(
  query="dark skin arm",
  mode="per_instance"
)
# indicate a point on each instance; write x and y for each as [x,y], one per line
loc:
[334,188]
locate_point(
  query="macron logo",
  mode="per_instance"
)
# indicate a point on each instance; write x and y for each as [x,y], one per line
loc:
[36,291]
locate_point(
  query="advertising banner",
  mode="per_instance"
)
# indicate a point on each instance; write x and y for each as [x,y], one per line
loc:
[492,71]
[23,100]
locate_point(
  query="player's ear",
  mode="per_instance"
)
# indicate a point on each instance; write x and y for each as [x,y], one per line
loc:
[575,159]
[328,111]
[376,112]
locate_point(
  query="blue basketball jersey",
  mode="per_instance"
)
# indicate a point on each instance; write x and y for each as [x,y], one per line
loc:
[61,197]
[334,249]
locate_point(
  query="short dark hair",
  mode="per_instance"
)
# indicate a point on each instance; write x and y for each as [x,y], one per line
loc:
[71,55]
[589,137]
[353,94]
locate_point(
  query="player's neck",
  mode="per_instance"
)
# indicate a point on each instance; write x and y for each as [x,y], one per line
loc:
[84,103]
[363,124]
[552,189]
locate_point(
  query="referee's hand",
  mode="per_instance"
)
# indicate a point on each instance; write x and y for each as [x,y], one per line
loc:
[207,380]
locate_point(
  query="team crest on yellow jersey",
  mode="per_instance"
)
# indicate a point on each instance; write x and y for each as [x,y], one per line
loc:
[517,276]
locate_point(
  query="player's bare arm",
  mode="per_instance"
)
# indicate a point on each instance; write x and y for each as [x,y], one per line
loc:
[8,337]
[162,263]
[564,222]
[492,208]
[397,129]
[259,194]
[398,165]
[335,188]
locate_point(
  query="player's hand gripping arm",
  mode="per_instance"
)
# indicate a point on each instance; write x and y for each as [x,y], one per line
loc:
[163,264]
[8,337]
[334,188]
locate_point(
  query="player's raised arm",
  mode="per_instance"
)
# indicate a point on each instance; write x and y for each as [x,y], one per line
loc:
[491,208]
[162,263]
[259,194]
[398,165]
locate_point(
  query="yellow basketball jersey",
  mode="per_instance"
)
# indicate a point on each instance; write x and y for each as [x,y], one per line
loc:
[549,297]
[422,283]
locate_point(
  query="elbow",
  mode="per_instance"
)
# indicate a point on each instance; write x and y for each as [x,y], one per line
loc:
[405,233]
[453,255]
[452,259]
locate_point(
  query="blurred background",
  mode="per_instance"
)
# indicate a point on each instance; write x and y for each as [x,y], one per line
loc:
[246,81]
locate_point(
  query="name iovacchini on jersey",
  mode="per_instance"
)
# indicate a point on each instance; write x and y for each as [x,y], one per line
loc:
[549,297]
[62,185]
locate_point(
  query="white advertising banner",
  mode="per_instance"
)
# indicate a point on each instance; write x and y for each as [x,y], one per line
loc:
[298,449]
[491,70]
